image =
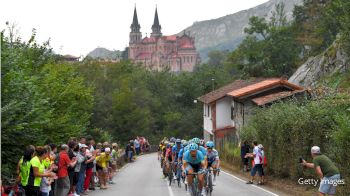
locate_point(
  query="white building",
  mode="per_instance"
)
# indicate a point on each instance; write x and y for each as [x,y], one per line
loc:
[228,109]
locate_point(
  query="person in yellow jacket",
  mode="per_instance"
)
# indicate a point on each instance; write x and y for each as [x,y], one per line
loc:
[102,164]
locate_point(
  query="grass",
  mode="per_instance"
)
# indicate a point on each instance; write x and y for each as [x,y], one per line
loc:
[277,185]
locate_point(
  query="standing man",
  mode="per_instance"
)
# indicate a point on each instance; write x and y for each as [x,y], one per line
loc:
[63,183]
[137,145]
[244,150]
[258,160]
[325,169]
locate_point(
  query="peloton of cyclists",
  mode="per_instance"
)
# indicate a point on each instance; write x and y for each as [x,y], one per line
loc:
[195,156]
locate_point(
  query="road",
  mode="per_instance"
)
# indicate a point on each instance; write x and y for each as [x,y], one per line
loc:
[144,178]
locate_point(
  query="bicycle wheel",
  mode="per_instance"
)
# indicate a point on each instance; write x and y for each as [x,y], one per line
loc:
[170,177]
[210,185]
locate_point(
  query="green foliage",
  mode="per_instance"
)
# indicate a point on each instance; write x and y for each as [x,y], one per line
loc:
[300,126]
[132,101]
[42,101]
[268,50]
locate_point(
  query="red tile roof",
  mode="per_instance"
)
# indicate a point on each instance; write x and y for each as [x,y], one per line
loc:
[274,97]
[222,92]
[254,88]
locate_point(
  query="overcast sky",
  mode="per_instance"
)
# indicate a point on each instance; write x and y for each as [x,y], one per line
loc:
[78,26]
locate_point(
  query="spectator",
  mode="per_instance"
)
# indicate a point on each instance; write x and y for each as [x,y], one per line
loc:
[102,167]
[53,157]
[245,148]
[114,157]
[74,180]
[129,150]
[82,158]
[82,140]
[325,169]
[258,158]
[137,145]
[37,172]
[45,186]
[73,146]
[89,165]
[91,185]
[63,183]
[23,167]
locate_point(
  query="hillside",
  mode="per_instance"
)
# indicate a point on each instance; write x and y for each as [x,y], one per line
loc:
[330,68]
[227,32]
[105,54]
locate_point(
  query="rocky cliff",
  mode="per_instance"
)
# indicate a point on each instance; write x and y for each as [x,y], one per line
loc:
[330,62]
[227,32]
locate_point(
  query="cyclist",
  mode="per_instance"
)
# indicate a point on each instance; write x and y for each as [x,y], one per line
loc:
[213,158]
[193,161]
[168,157]
[202,149]
[175,154]
[182,150]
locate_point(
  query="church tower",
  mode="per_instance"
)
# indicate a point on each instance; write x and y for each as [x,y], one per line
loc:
[156,28]
[135,34]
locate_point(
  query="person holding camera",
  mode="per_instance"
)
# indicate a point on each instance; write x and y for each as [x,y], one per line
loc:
[258,156]
[325,169]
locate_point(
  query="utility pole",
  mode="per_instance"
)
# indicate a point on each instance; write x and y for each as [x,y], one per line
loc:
[212,81]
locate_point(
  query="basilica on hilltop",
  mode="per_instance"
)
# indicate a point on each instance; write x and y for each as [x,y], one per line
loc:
[158,52]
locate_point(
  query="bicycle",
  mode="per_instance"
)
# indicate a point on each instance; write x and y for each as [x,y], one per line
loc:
[170,173]
[209,181]
[195,185]
[178,174]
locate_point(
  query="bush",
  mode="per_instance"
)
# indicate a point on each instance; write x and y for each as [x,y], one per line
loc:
[289,130]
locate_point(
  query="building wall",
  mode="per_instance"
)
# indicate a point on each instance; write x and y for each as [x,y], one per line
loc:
[223,113]
[207,121]
[242,114]
[165,54]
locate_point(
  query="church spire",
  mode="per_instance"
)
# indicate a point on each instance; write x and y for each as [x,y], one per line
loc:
[156,28]
[135,34]
[135,26]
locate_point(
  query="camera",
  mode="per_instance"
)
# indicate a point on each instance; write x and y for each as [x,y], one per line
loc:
[301,159]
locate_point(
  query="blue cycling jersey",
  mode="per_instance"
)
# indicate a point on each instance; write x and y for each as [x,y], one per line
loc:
[181,153]
[203,150]
[199,157]
[176,150]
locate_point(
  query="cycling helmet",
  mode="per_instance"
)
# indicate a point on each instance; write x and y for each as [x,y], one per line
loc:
[168,145]
[185,143]
[178,141]
[210,144]
[193,147]
[172,140]
[196,140]
[202,142]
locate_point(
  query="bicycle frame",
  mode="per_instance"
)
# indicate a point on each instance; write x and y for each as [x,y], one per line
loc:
[209,180]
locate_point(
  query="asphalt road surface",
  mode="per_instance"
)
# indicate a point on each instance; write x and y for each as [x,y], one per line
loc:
[144,178]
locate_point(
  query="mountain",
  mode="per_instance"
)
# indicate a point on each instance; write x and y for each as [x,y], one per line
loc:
[332,64]
[105,54]
[227,32]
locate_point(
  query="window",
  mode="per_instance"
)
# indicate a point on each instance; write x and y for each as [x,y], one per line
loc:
[232,113]
[191,59]
[208,109]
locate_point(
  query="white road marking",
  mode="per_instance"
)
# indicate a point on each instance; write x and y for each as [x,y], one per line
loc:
[170,191]
[251,185]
